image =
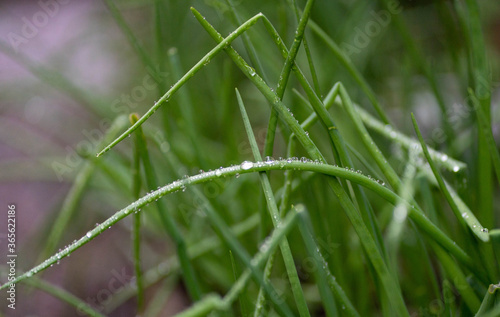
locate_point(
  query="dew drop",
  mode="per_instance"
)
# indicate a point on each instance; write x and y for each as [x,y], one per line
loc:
[237,175]
[484,230]
[444,158]
[246,165]
[251,71]
[89,234]
[456,168]
[218,173]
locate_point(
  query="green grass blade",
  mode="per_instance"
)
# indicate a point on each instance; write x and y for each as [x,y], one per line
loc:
[225,234]
[351,68]
[343,156]
[275,216]
[345,202]
[245,168]
[325,275]
[76,192]
[454,272]
[470,221]
[339,147]
[292,54]
[266,250]
[308,54]
[398,221]
[491,298]
[406,142]
[485,126]
[169,222]
[480,80]
[243,309]
[261,297]
[285,74]
[63,295]
[133,40]
[252,54]
[186,108]
[171,266]
[202,307]
[495,242]
[320,273]
[199,65]
[136,228]
[388,171]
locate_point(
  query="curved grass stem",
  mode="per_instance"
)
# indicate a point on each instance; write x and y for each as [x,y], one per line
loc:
[275,217]
[199,65]
[245,168]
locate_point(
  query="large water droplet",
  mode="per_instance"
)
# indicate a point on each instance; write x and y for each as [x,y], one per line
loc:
[251,71]
[89,234]
[246,165]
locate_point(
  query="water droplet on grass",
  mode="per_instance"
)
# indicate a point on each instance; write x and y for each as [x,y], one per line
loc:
[456,168]
[251,71]
[89,234]
[246,165]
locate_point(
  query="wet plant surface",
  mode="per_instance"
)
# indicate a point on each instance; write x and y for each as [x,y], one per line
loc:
[224,158]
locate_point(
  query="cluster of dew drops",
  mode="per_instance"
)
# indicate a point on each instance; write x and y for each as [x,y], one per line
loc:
[281,162]
[246,165]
